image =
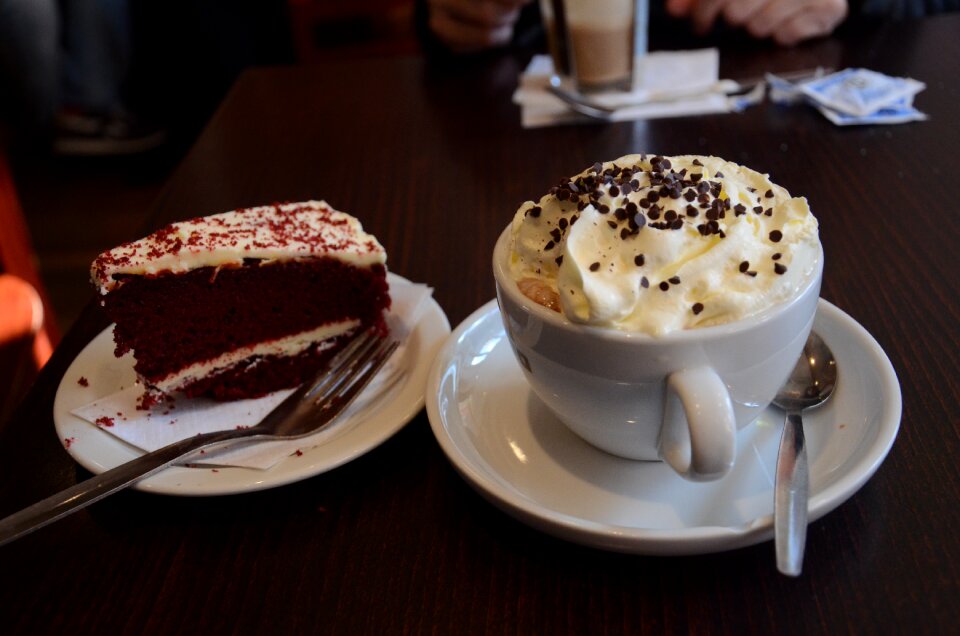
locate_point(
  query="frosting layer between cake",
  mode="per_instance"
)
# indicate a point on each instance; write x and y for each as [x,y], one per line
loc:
[290,346]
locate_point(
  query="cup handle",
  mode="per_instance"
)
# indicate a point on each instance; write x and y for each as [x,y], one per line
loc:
[699,443]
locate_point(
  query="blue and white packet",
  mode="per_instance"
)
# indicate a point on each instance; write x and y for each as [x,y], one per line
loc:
[853,96]
[898,113]
[860,92]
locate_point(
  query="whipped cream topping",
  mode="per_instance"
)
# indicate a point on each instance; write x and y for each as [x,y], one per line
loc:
[311,229]
[659,244]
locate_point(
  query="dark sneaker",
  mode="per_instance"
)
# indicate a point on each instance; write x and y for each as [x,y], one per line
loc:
[101,135]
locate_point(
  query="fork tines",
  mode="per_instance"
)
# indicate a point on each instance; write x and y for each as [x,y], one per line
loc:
[316,404]
[359,360]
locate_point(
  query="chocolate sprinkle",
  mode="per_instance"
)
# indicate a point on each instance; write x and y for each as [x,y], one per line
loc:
[769,194]
[780,268]
[638,260]
[776,235]
[664,286]
[674,280]
[594,267]
[535,211]
[776,256]
[744,266]
[697,308]
[644,282]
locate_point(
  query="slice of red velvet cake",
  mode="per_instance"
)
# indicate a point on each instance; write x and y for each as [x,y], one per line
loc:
[242,303]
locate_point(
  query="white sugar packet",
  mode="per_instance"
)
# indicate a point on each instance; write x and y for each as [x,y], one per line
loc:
[118,415]
[783,91]
[860,92]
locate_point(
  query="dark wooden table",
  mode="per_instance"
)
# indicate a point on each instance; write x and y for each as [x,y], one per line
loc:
[434,161]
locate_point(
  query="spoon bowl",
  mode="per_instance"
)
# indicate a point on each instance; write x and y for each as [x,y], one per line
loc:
[813,379]
[811,383]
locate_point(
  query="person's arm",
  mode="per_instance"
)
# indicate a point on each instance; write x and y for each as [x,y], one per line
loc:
[466,26]
[785,21]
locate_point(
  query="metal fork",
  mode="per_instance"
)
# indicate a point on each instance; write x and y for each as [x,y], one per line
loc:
[309,409]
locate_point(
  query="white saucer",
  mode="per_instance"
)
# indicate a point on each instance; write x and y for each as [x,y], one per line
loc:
[509,447]
[98,451]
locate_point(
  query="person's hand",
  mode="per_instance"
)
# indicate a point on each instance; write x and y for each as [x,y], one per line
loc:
[473,25]
[786,21]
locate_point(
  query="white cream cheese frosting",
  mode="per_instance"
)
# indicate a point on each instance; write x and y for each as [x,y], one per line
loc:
[311,229]
[289,346]
[659,244]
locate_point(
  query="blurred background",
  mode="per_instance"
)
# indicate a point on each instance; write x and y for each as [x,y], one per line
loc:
[100,100]
[77,200]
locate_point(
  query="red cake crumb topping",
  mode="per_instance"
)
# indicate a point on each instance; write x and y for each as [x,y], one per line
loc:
[104,421]
[68,441]
[83,381]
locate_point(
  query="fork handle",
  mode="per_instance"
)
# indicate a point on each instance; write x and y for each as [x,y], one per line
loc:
[108,482]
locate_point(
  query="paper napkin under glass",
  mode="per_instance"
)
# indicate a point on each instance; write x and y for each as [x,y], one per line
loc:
[187,417]
[669,84]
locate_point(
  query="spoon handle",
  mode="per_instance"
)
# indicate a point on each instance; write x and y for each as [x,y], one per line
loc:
[790,497]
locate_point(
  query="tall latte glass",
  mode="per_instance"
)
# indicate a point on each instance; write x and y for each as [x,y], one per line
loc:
[656,304]
[593,43]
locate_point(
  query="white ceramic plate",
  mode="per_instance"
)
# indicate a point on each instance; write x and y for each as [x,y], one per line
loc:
[98,451]
[509,446]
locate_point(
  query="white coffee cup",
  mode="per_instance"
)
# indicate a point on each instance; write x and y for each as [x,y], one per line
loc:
[679,397]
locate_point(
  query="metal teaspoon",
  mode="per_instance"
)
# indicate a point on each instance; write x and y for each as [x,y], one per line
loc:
[811,383]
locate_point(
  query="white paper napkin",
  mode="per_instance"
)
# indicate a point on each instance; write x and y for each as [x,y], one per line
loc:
[669,84]
[117,413]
